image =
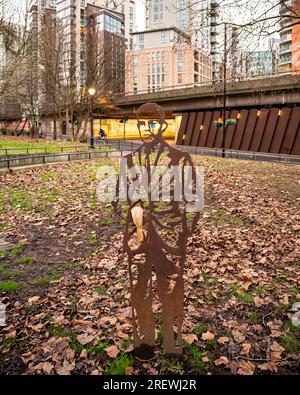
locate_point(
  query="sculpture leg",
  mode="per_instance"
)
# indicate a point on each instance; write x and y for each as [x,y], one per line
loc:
[172,314]
[141,297]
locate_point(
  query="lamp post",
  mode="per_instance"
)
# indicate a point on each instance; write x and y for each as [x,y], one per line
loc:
[92,92]
[225,90]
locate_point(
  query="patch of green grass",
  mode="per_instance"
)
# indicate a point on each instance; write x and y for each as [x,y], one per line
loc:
[42,281]
[196,355]
[160,333]
[243,297]
[106,221]
[17,249]
[293,294]
[290,343]
[60,331]
[12,274]
[98,348]
[4,225]
[48,176]
[93,238]
[72,266]
[3,267]
[259,291]
[222,217]
[24,260]
[213,282]
[57,331]
[48,318]
[127,343]
[170,365]
[279,280]
[199,329]
[3,254]
[100,290]
[9,342]
[253,316]
[283,306]
[118,365]
[8,286]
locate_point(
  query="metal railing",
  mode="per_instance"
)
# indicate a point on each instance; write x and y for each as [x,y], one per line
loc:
[32,160]
[215,152]
[48,150]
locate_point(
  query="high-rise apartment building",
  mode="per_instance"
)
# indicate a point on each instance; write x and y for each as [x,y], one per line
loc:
[77,17]
[200,19]
[126,7]
[296,41]
[289,48]
[165,59]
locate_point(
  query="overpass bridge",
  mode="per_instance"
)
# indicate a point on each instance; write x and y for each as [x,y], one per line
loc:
[267,111]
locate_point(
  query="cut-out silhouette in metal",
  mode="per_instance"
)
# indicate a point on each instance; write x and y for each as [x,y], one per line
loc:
[155,240]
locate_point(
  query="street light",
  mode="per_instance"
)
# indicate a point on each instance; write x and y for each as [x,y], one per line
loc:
[124,120]
[92,92]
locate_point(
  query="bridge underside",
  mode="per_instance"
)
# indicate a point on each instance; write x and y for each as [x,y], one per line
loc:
[270,130]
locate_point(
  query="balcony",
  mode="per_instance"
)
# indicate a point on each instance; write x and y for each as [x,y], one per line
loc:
[284,49]
[285,38]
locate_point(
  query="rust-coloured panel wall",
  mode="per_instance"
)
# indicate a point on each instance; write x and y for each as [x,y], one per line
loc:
[240,130]
[230,130]
[278,135]
[291,131]
[190,128]
[213,130]
[182,128]
[296,145]
[262,119]
[196,134]
[219,134]
[205,129]
[249,130]
[274,130]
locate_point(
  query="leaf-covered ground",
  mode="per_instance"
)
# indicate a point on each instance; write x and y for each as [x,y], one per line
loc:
[65,284]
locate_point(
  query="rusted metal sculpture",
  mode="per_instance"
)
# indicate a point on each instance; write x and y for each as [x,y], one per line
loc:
[155,239]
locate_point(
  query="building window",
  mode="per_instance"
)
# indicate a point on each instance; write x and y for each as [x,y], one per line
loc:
[164,37]
[180,78]
[180,55]
[141,41]
[158,57]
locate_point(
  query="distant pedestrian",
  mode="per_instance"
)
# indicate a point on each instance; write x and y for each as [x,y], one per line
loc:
[101,134]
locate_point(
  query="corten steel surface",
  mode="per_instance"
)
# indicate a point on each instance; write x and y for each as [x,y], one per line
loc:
[155,241]
[269,130]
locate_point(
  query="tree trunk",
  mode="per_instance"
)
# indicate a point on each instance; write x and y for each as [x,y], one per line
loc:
[55,126]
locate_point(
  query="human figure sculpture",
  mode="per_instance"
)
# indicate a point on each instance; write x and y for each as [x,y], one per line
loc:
[155,238]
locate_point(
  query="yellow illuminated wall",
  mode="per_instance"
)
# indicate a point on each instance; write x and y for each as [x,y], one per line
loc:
[114,129]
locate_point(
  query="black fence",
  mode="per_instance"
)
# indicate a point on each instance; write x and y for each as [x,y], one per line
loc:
[32,160]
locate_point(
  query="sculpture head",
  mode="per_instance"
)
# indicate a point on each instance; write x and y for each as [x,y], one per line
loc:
[148,115]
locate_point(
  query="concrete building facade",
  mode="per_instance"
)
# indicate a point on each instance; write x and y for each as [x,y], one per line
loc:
[199,19]
[165,59]
[289,48]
